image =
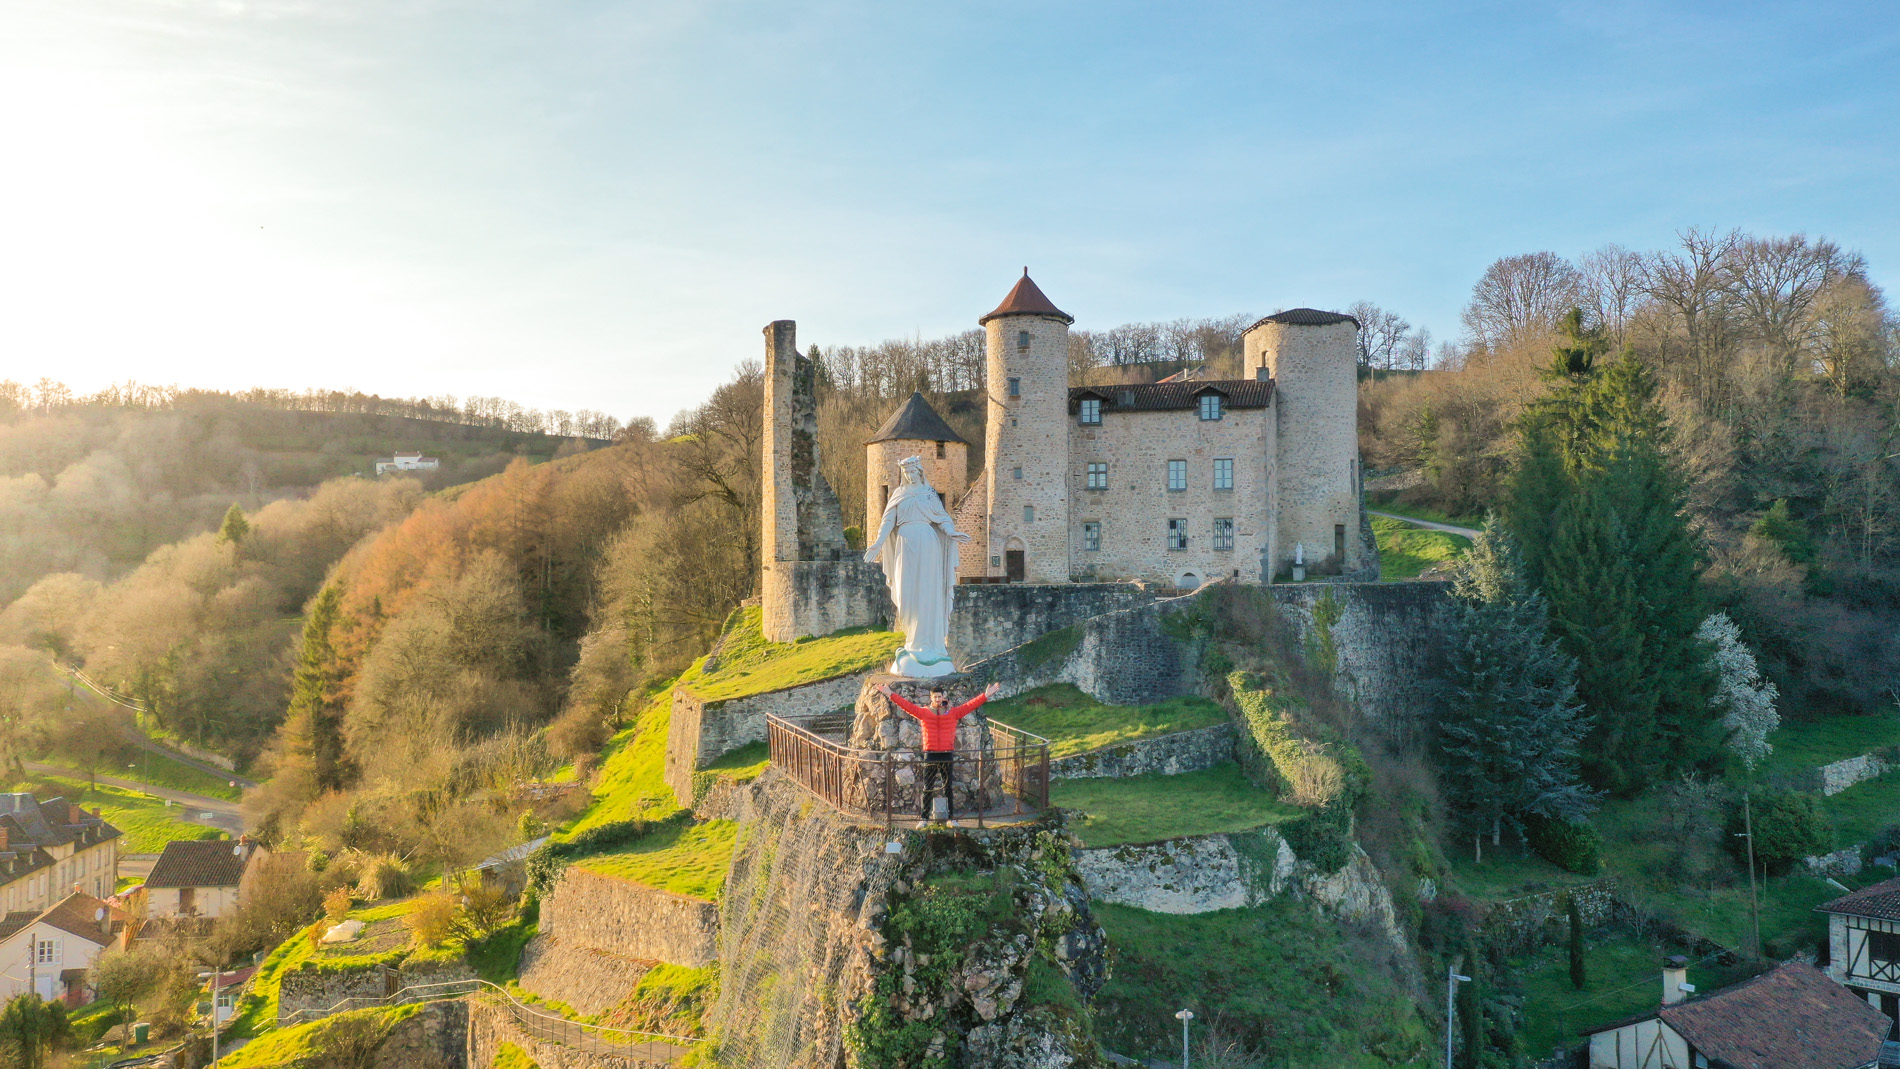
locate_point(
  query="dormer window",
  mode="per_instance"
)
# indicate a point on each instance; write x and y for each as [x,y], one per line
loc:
[1022,339]
[1089,410]
[1210,406]
[1126,398]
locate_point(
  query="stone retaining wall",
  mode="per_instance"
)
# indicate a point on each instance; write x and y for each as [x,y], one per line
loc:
[318,990]
[700,731]
[490,1025]
[1388,643]
[590,980]
[435,1038]
[1530,921]
[1170,754]
[988,618]
[1120,658]
[1838,776]
[627,920]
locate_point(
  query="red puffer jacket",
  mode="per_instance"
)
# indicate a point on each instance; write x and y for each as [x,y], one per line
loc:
[940,729]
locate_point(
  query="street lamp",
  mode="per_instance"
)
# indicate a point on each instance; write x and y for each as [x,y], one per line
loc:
[1452,980]
[1184,1017]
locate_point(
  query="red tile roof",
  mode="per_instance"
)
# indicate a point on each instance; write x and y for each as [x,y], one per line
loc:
[1880,901]
[1026,300]
[1792,1017]
[200,863]
[1164,396]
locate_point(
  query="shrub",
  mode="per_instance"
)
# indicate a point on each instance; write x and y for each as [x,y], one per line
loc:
[1787,828]
[1314,766]
[1322,838]
[1571,846]
[384,877]
[431,920]
[336,905]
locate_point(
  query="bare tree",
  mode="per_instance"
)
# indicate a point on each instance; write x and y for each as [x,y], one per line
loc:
[1695,285]
[1612,286]
[1519,298]
[1380,334]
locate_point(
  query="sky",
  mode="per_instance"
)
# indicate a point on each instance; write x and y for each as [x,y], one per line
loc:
[575,204]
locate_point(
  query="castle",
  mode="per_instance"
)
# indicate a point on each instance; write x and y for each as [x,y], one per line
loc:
[1173,483]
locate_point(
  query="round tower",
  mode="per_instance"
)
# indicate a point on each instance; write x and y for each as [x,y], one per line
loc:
[914,430]
[1026,437]
[1313,359]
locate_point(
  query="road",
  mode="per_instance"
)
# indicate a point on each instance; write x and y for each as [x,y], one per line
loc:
[198,809]
[1429,525]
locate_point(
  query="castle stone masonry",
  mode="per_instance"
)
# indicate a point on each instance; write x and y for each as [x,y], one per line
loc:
[1172,484]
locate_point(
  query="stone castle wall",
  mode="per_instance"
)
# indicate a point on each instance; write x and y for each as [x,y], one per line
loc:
[946,474]
[1125,657]
[799,514]
[990,618]
[1135,508]
[1388,643]
[587,909]
[314,992]
[701,731]
[1316,395]
[802,598]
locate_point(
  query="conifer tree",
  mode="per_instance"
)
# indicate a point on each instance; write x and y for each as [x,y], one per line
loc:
[234,527]
[1511,724]
[1579,975]
[1598,507]
[315,716]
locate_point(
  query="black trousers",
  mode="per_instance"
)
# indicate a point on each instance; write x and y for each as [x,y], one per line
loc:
[937,765]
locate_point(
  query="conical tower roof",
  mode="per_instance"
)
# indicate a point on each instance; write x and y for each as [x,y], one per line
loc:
[916,421]
[1027,300]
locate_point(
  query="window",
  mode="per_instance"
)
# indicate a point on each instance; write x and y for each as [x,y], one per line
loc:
[1224,473]
[48,953]
[1883,946]
[1029,514]
[939,450]
[1089,410]
[1022,339]
[1177,475]
[1177,534]
[1125,398]
[1098,475]
[1092,535]
[1223,532]
[224,1000]
[1210,406]
[1016,473]
[1015,386]
[1339,542]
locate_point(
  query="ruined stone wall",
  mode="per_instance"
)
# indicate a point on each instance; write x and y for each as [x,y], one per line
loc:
[314,992]
[799,599]
[1170,754]
[589,979]
[1542,919]
[799,515]
[435,1038]
[701,731]
[1388,642]
[587,909]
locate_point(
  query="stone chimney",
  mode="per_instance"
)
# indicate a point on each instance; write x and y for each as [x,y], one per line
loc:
[1675,973]
[75,813]
[4,831]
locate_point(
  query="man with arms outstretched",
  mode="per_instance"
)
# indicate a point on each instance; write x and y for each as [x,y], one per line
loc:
[940,737]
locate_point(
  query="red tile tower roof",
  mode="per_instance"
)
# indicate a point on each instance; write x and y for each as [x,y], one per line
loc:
[1026,300]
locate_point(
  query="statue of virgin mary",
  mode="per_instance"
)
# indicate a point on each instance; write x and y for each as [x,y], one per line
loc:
[917,543]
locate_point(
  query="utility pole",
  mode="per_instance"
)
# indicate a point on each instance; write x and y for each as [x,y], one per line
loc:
[1748,831]
[1452,980]
[1184,1016]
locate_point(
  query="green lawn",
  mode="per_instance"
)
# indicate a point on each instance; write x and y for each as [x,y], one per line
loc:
[303,1044]
[143,766]
[1804,744]
[1277,977]
[1420,512]
[1864,810]
[1075,723]
[1405,550]
[632,779]
[748,664]
[686,859]
[147,822]
[1507,871]
[1145,809]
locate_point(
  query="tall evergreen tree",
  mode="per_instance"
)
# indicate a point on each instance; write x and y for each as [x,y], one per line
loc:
[1599,508]
[315,717]
[1509,733]
[235,526]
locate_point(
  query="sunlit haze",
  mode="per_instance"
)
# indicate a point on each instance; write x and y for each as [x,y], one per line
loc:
[588,205]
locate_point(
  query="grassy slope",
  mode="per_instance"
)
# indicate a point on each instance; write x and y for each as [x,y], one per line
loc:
[1075,723]
[300,1044]
[689,860]
[1279,975]
[632,779]
[1419,512]
[748,664]
[1144,809]
[1405,550]
[1805,744]
[147,822]
[1622,977]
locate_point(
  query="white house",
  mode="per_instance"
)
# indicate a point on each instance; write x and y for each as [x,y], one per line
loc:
[1792,1017]
[406,462]
[1863,939]
[198,878]
[50,952]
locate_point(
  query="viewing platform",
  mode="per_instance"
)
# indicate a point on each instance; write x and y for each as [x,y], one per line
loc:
[1007,779]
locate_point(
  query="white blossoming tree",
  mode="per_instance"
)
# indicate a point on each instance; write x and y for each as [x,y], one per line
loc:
[1746,700]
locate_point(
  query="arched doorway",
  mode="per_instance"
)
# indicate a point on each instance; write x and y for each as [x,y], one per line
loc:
[1014,567]
[1187,581]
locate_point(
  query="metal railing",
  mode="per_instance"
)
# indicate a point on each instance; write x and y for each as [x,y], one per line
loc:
[1010,779]
[627,1043]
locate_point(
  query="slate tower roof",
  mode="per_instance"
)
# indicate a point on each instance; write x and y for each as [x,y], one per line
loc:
[1026,300]
[916,421]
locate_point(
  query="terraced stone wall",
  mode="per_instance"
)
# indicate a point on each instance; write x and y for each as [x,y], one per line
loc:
[1170,754]
[1387,641]
[587,909]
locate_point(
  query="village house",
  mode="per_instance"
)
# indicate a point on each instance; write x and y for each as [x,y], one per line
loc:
[199,878]
[1863,940]
[1792,1017]
[226,988]
[50,848]
[50,952]
[407,462]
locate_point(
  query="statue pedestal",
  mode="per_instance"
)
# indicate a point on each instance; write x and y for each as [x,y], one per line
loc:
[879,725]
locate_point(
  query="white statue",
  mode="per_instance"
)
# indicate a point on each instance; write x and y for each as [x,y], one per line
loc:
[918,543]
